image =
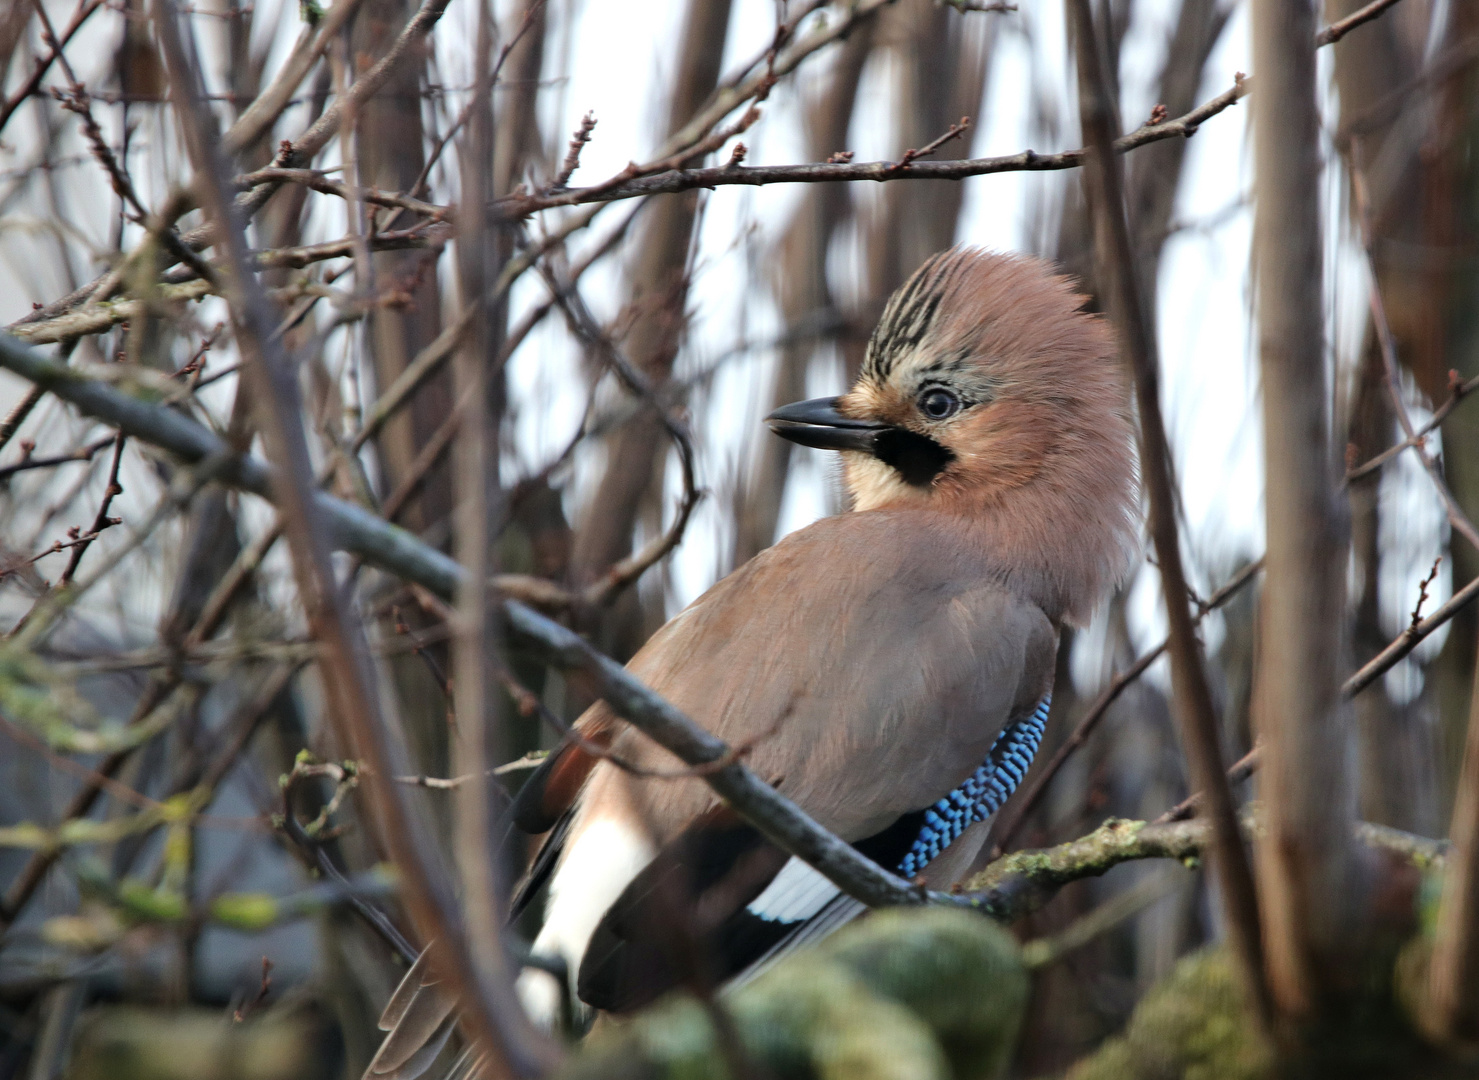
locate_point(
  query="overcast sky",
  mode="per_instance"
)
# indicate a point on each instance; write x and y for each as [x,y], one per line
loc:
[615,58]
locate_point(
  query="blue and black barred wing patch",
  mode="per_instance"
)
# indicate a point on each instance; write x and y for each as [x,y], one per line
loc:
[916,839]
[983,793]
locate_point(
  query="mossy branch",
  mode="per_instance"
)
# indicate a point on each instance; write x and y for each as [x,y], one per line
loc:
[1023,881]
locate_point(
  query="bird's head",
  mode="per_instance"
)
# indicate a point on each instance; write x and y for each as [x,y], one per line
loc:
[984,376]
[989,394]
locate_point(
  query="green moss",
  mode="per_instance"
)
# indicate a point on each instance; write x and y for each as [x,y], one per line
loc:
[1190,1026]
[904,995]
[812,1021]
[960,973]
[812,1018]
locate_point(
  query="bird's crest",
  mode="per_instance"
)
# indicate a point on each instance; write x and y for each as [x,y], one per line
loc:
[910,314]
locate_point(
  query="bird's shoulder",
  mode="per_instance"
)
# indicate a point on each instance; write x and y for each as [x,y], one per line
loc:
[891,569]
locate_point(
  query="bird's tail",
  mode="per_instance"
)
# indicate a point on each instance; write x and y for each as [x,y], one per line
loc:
[419,1018]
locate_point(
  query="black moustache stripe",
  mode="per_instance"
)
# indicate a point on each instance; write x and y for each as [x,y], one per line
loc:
[917,458]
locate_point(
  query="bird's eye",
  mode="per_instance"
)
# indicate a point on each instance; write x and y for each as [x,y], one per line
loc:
[938,404]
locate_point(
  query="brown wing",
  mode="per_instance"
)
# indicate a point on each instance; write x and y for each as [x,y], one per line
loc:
[551,790]
[865,664]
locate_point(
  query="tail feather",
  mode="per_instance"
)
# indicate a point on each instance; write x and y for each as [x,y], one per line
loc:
[419,1018]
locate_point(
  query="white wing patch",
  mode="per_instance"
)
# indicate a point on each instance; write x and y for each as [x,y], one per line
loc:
[798,892]
[599,863]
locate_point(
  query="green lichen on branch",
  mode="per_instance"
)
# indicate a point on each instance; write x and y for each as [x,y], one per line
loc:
[1017,884]
[48,705]
[1023,881]
[102,316]
[1422,853]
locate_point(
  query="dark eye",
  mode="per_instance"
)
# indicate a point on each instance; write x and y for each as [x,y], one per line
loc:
[938,404]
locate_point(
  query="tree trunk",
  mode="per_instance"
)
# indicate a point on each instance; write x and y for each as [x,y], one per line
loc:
[658,296]
[389,144]
[1306,872]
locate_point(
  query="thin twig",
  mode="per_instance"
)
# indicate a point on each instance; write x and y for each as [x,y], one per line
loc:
[1458,390]
[605,588]
[312,850]
[316,180]
[531,760]
[1024,805]
[27,462]
[955,131]
[43,64]
[101,521]
[572,152]
[1408,640]
[979,5]
[1237,772]
[1456,516]
[76,538]
[17,416]
[530,12]
[245,1010]
[1194,710]
[1337,30]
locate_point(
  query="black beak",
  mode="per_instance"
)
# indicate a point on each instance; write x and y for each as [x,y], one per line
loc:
[818,423]
[918,458]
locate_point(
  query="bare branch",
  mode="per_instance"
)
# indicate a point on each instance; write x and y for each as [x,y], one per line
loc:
[1021,882]
[517,206]
[1407,640]
[102,520]
[1237,772]
[43,64]
[955,131]
[1459,390]
[27,462]
[1192,696]
[317,181]
[980,5]
[572,153]
[1337,30]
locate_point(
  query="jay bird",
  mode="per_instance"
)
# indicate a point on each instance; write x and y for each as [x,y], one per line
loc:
[889,669]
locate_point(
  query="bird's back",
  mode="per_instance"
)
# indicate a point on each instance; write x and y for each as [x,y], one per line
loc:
[887,649]
[865,666]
